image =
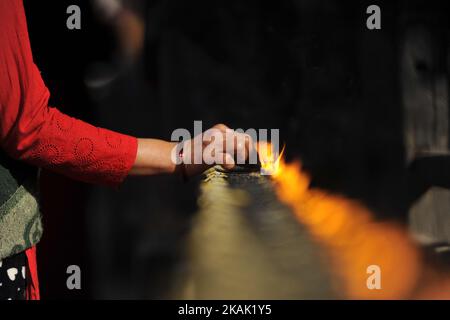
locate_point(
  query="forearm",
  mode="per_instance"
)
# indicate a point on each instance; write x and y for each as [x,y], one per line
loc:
[153,157]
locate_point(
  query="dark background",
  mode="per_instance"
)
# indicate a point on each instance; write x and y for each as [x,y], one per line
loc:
[310,68]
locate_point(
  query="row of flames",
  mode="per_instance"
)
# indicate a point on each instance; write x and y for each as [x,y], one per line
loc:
[354,240]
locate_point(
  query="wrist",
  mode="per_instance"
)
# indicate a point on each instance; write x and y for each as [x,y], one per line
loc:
[154,157]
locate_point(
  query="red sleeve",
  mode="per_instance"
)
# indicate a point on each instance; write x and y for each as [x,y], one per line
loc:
[33,132]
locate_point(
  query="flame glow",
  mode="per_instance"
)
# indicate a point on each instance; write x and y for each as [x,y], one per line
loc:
[351,236]
[269,158]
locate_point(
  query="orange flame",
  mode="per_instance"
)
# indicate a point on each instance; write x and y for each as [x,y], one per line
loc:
[353,239]
[269,158]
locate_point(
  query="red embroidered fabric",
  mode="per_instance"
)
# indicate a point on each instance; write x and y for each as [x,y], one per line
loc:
[33,132]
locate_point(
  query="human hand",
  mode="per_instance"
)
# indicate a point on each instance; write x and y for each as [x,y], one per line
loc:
[218,145]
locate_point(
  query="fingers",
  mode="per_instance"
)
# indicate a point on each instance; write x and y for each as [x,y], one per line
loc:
[238,145]
[228,161]
[221,145]
[241,147]
[221,127]
[244,148]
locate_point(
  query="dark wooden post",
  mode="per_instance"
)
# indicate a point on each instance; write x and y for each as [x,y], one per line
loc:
[424,83]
